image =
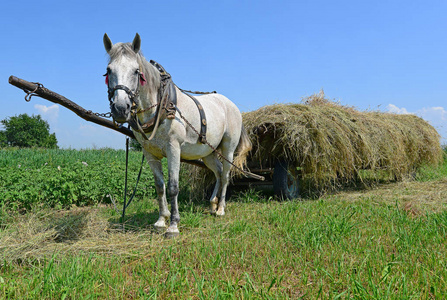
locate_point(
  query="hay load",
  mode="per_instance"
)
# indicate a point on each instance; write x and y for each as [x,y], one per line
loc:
[332,144]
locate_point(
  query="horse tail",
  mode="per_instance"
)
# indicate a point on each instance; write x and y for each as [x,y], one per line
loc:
[243,149]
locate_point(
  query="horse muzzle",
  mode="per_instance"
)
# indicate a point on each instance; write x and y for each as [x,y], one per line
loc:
[120,112]
[121,99]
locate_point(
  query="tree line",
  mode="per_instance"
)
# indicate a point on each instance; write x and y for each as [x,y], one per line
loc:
[26,131]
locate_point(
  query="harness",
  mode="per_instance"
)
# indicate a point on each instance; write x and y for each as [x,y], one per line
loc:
[166,105]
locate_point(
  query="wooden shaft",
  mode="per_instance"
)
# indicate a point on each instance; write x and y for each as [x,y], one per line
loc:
[59,99]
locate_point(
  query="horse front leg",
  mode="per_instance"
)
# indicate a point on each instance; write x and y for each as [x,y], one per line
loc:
[157,170]
[173,156]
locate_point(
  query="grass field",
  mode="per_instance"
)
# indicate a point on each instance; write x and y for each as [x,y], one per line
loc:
[386,242]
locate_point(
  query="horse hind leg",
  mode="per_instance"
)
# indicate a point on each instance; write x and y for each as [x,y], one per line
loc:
[215,166]
[229,146]
[225,180]
[228,153]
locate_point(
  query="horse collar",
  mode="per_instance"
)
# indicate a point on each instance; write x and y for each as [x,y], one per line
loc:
[166,101]
[167,106]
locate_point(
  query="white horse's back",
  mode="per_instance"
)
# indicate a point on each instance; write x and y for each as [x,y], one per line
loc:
[223,119]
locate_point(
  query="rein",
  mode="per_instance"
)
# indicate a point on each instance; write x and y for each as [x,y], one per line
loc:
[125,202]
[166,104]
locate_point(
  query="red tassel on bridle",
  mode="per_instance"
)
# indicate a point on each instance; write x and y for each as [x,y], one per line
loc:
[142,79]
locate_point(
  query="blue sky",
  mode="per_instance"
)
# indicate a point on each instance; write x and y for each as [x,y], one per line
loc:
[387,55]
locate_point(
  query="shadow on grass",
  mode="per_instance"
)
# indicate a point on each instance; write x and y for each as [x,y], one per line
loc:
[142,214]
[135,221]
[70,225]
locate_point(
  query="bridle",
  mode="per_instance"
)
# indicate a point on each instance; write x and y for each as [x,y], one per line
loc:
[166,101]
[166,104]
[132,95]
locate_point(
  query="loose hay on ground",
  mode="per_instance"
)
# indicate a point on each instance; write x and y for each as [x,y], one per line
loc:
[36,236]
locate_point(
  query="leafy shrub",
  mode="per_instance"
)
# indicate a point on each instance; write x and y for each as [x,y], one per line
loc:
[26,131]
[61,178]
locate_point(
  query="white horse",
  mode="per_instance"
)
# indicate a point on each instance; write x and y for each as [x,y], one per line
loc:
[136,94]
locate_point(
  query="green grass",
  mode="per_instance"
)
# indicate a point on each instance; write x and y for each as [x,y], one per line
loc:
[387,242]
[428,173]
[270,250]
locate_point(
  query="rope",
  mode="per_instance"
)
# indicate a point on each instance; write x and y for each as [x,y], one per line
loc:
[29,94]
[127,203]
[196,92]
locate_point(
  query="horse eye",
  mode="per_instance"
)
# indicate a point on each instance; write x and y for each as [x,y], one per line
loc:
[137,71]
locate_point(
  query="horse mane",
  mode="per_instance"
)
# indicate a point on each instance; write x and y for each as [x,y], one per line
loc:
[152,75]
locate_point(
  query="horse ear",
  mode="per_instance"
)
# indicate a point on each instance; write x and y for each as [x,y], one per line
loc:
[107,42]
[136,44]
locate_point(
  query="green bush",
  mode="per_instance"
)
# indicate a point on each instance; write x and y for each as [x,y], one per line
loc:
[61,178]
[27,131]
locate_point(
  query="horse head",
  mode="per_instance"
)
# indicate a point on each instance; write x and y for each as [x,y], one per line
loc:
[124,77]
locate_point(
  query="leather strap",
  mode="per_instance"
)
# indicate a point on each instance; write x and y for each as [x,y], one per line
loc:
[202,135]
[167,99]
[131,94]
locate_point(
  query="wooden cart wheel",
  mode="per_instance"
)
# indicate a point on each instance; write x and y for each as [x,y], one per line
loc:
[285,180]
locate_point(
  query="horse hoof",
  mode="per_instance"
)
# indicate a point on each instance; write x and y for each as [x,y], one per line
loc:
[159,229]
[172,233]
[220,213]
[160,225]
